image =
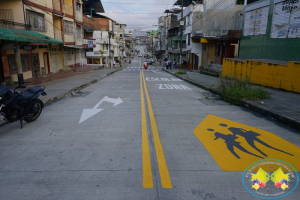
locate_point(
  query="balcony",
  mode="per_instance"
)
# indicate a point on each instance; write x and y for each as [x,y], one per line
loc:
[58,35]
[86,42]
[97,54]
[105,41]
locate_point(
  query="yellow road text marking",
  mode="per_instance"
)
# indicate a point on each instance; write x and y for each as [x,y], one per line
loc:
[147,172]
[234,146]
[162,165]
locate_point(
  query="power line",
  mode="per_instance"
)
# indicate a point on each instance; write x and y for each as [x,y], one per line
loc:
[138,3]
[132,13]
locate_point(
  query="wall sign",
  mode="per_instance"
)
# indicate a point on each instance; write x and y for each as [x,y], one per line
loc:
[286,19]
[256,21]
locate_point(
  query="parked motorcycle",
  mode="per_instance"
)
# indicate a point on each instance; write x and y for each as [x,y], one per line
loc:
[16,105]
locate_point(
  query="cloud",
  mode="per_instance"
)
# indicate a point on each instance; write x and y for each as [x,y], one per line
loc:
[133,13]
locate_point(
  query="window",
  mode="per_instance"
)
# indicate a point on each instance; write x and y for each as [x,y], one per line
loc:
[189,39]
[68,27]
[36,20]
[78,6]
[25,61]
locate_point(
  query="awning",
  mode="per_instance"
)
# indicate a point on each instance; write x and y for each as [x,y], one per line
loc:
[75,47]
[18,35]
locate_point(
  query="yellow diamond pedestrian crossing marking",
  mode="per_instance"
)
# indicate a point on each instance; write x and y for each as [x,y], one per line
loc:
[234,146]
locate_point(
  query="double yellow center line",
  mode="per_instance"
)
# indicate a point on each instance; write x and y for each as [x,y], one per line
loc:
[162,165]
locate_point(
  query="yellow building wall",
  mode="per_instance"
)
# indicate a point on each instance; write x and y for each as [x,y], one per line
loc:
[208,54]
[70,37]
[56,23]
[49,31]
[28,74]
[45,3]
[16,7]
[267,74]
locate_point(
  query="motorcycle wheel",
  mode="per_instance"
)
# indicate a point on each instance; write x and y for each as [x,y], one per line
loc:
[34,110]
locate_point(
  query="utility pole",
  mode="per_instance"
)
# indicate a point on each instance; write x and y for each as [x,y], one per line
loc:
[180,58]
[109,64]
[152,45]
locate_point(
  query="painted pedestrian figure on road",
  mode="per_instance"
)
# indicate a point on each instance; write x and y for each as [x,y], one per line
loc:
[234,146]
[249,136]
[230,143]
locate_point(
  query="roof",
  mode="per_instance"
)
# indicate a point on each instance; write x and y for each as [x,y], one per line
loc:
[186,3]
[19,35]
[95,5]
[102,16]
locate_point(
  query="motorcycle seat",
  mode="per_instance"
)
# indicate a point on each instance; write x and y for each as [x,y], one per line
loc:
[27,95]
[35,89]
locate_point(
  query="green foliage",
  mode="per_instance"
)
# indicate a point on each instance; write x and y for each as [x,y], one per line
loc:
[101,51]
[234,90]
[180,72]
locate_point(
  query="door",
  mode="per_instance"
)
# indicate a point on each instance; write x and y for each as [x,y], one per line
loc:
[54,63]
[196,62]
[35,65]
[46,62]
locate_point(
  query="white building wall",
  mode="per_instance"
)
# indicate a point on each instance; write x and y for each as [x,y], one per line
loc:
[197,49]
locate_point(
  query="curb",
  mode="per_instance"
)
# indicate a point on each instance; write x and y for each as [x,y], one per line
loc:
[61,96]
[251,106]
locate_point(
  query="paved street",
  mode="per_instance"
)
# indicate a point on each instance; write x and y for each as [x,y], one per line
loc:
[140,134]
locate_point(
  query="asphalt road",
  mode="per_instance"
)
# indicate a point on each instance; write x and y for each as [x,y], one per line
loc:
[140,134]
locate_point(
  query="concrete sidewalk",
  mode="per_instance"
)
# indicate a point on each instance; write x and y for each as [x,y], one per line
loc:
[283,106]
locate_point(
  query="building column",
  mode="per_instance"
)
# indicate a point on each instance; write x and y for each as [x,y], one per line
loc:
[19,65]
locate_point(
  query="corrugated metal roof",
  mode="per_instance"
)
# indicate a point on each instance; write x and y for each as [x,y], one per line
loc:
[19,35]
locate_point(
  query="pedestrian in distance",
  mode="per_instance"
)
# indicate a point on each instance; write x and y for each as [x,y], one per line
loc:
[174,64]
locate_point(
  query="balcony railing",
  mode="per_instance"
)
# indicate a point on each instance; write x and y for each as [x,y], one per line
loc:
[105,41]
[68,9]
[97,54]
[56,5]
[58,35]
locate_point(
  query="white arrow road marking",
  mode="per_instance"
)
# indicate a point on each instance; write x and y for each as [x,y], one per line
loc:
[87,113]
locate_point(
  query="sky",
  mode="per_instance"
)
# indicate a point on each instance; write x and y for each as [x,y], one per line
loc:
[137,14]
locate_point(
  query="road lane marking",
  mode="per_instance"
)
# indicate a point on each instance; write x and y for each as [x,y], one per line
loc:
[147,172]
[234,146]
[162,164]
[88,113]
